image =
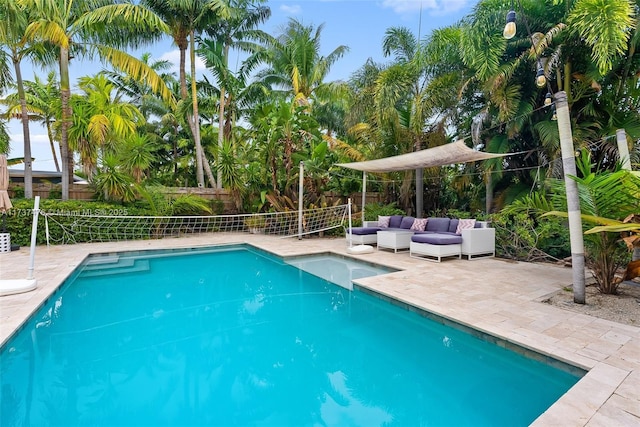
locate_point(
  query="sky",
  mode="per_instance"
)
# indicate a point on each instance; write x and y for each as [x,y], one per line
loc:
[358,24]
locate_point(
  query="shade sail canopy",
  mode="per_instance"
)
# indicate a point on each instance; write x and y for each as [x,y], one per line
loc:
[448,154]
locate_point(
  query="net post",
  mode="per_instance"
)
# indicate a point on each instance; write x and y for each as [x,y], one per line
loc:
[34,232]
[350,229]
[300,198]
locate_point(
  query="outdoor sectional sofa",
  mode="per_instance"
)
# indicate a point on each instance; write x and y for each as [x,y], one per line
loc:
[438,238]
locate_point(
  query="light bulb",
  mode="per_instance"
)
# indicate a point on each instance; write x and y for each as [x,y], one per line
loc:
[547,99]
[554,117]
[541,80]
[510,29]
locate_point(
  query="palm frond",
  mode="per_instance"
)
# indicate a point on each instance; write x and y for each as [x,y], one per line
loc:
[603,24]
[138,70]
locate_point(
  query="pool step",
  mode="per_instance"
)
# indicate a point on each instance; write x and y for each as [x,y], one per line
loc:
[340,271]
[109,262]
[102,259]
[124,266]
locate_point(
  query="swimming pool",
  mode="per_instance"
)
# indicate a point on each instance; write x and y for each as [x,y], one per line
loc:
[234,336]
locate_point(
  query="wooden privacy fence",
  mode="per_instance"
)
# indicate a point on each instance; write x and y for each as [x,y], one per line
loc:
[47,190]
[84,192]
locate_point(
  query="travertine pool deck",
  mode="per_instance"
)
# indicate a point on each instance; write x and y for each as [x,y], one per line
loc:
[494,296]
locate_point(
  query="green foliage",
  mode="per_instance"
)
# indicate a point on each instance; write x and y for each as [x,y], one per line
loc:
[346,185]
[190,204]
[603,195]
[604,26]
[112,183]
[373,210]
[20,217]
[4,138]
[523,236]
[455,213]
[216,206]
[18,191]
[158,203]
[255,222]
[55,193]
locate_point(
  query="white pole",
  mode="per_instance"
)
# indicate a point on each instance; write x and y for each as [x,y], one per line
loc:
[300,197]
[34,231]
[350,231]
[364,193]
[623,149]
[573,199]
[419,192]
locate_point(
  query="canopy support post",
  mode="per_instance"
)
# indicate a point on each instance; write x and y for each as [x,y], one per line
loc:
[419,192]
[364,193]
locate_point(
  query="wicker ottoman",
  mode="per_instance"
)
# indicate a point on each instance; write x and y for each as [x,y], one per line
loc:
[435,245]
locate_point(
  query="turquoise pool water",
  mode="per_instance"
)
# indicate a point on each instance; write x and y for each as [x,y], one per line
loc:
[234,336]
[337,269]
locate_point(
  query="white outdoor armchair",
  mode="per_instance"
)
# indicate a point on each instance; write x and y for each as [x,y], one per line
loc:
[479,242]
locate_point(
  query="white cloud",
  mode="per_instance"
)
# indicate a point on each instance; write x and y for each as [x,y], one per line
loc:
[294,9]
[40,150]
[173,56]
[432,7]
[35,138]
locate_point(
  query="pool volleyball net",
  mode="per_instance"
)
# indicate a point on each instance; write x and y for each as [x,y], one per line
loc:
[77,227]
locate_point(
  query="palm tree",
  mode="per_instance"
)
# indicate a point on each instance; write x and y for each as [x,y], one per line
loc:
[282,128]
[139,92]
[183,20]
[296,65]
[4,138]
[100,121]
[603,25]
[5,74]
[15,20]
[93,27]
[238,31]
[296,71]
[112,183]
[403,110]
[43,105]
[137,155]
[559,37]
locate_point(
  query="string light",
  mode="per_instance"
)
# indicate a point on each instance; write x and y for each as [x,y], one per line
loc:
[510,32]
[541,79]
[547,99]
[510,28]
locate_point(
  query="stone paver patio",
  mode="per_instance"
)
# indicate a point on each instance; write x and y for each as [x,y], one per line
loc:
[497,297]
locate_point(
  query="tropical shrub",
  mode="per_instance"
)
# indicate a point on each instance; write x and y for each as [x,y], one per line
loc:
[112,183]
[603,194]
[373,210]
[19,218]
[190,204]
[521,236]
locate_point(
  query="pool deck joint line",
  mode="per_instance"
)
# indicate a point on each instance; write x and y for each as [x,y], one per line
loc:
[496,297]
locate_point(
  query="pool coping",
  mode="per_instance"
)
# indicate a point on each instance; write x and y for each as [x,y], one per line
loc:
[481,294]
